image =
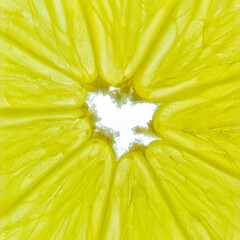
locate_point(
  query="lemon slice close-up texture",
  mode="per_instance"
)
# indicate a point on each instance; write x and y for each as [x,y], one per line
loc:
[63,175]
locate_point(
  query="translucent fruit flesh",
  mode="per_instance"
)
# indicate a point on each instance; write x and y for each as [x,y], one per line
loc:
[57,181]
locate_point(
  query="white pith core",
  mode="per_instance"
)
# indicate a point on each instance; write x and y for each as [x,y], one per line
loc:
[120,120]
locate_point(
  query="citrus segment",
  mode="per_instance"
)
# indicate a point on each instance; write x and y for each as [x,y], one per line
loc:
[26,83]
[204,200]
[53,32]
[68,203]
[122,33]
[137,207]
[30,147]
[207,125]
[198,47]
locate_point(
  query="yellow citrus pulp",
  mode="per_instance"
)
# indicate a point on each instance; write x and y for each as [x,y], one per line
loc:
[59,179]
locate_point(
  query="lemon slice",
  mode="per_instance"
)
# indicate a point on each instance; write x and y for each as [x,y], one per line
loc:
[58,180]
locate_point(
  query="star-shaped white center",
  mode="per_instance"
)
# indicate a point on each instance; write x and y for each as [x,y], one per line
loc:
[122,120]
